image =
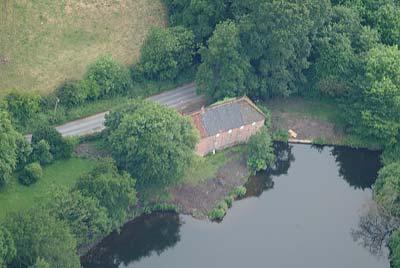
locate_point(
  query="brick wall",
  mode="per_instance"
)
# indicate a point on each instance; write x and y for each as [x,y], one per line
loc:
[227,139]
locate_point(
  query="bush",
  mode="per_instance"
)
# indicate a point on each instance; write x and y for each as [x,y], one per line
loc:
[238,192]
[111,77]
[166,52]
[70,94]
[260,155]
[217,214]
[41,153]
[280,135]
[60,148]
[394,245]
[229,201]
[24,150]
[22,106]
[31,174]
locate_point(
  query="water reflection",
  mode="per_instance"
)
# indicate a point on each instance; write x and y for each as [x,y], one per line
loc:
[358,167]
[140,238]
[374,229]
[262,181]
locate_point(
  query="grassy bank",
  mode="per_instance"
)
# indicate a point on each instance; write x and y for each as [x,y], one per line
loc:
[16,197]
[43,43]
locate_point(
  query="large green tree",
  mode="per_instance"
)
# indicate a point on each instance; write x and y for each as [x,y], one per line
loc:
[84,215]
[8,147]
[114,191]
[7,247]
[152,142]
[275,35]
[259,151]
[224,67]
[387,188]
[37,234]
[379,115]
[166,52]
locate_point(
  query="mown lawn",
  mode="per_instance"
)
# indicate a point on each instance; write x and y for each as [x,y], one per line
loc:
[16,197]
[45,42]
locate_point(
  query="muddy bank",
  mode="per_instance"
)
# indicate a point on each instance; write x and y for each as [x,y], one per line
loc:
[199,199]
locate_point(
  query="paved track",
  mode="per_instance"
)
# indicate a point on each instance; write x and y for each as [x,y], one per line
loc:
[183,99]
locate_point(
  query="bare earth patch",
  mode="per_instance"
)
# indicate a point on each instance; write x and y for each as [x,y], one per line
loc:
[197,200]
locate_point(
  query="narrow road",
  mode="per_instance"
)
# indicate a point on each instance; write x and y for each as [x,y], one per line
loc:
[183,99]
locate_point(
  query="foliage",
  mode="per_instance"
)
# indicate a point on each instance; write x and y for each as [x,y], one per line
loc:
[387,188]
[224,68]
[238,192]
[7,247]
[388,23]
[153,143]
[23,151]
[22,106]
[114,191]
[260,154]
[379,115]
[280,134]
[320,141]
[31,174]
[60,148]
[37,234]
[111,77]
[8,147]
[41,153]
[198,16]
[41,263]
[72,93]
[166,53]
[394,245]
[83,214]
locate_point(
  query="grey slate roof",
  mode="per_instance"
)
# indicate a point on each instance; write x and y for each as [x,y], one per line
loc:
[223,117]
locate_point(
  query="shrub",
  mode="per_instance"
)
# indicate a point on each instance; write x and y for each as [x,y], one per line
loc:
[31,174]
[260,155]
[166,52]
[41,153]
[217,214]
[24,150]
[22,106]
[71,94]
[238,192]
[320,141]
[111,77]
[394,245]
[280,135]
[60,148]
[229,201]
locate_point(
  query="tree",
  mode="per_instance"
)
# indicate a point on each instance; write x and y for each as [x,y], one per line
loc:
[379,115]
[7,247]
[22,106]
[166,52]
[275,35]
[152,142]
[86,218]
[200,16]
[224,68]
[41,153]
[60,148]
[259,151]
[37,234]
[31,174]
[8,156]
[388,23]
[387,188]
[23,151]
[394,245]
[111,77]
[114,191]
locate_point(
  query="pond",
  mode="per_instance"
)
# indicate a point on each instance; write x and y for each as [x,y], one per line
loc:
[301,214]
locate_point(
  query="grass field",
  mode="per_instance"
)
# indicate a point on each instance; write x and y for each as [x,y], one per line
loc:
[45,42]
[16,197]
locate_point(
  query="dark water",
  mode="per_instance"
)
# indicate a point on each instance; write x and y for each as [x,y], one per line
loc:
[301,214]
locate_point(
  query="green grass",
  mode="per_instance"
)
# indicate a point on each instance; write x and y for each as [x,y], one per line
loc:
[16,197]
[47,42]
[206,168]
[316,108]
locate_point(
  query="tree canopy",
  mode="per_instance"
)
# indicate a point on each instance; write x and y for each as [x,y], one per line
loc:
[152,142]
[8,147]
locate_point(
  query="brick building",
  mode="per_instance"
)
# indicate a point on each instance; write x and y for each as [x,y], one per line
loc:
[226,124]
